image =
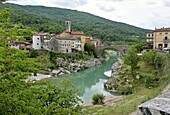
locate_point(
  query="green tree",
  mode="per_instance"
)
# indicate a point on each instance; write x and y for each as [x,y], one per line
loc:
[132,60]
[90,49]
[19,97]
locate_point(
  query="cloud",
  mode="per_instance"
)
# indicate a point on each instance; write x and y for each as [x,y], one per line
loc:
[69,3]
[166,3]
[107,8]
[151,3]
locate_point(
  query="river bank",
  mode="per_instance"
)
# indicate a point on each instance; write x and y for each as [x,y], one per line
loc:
[109,84]
[67,66]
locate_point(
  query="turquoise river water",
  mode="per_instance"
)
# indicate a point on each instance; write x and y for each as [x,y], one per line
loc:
[89,81]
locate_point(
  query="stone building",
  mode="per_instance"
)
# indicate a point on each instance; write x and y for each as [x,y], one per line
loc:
[159,38]
[22,45]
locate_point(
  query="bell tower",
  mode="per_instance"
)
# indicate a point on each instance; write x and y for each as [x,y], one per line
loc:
[68,25]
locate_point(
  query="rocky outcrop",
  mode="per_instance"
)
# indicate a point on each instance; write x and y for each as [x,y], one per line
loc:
[67,66]
[109,85]
[37,77]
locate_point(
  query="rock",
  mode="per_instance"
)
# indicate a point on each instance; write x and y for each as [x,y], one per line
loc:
[37,77]
[59,61]
[66,72]
[61,73]
[89,64]
[56,72]
[111,53]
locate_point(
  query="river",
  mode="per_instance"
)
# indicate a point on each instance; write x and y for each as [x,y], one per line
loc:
[89,81]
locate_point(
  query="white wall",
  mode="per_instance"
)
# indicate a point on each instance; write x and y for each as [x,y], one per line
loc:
[36,42]
[14,46]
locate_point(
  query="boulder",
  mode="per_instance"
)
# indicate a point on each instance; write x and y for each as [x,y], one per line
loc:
[66,72]
[89,64]
[56,72]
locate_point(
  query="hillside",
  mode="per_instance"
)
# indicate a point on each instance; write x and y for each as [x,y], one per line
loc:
[49,19]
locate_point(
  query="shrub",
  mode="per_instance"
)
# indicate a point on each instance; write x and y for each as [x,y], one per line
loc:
[98,99]
[125,89]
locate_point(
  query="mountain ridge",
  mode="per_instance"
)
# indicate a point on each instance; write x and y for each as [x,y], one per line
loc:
[51,19]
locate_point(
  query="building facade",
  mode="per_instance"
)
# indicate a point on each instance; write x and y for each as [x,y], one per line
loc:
[38,40]
[22,45]
[159,38]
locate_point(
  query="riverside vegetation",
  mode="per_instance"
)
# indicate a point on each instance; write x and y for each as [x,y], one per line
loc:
[19,97]
[139,79]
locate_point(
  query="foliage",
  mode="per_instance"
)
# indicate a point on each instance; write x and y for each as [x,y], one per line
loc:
[33,53]
[152,58]
[45,19]
[90,49]
[98,99]
[139,46]
[19,97]
[132,60]
[125,89]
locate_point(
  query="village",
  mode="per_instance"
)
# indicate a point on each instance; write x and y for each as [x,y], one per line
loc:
[67,42]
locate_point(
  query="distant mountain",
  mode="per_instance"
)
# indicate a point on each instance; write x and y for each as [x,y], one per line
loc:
[49,19]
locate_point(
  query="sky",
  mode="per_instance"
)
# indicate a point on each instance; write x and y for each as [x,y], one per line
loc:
[146,14]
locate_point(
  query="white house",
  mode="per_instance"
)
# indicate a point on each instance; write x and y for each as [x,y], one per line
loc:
[76,44]
[38,40]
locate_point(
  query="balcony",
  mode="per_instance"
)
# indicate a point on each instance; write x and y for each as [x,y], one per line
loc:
[166,41]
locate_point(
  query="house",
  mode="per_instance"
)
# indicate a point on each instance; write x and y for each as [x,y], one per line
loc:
[76,44]
[38,40]
[64,45]
[96,42]
[22,45]
[67,42]
[158,39]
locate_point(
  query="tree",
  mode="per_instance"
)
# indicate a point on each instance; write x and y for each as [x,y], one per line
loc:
[98,99]
[90,49]
[132,60]
[19,97]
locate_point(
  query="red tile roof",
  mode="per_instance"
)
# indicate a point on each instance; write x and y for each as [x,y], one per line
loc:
[19,42]
[162,30]
[25,47]
[77,33]
[40,34]
[65,38]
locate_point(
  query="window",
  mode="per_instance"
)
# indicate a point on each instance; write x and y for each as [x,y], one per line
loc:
[152,35]
[166,33]
[38,38]
[149,35]
[37,43]
[166,38]
[160,33]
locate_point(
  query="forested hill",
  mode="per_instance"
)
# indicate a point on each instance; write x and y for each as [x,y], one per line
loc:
[49,19]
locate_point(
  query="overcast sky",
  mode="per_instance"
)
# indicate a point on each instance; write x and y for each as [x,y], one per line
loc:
[141,13]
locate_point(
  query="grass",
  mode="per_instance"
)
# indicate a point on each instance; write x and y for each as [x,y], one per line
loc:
[127,105]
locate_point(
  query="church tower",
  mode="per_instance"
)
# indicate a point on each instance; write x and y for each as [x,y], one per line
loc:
[68,25]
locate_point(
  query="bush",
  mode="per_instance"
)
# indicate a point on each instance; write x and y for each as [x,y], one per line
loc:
[98,99]
[125,90]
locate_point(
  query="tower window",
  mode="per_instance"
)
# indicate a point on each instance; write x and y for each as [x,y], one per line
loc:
[37,43]
[38,38]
